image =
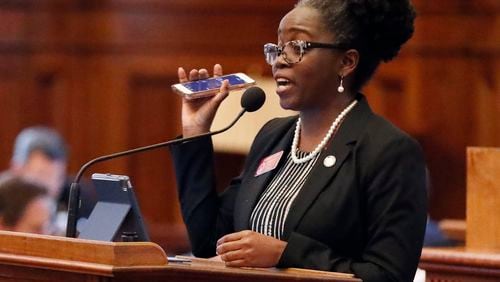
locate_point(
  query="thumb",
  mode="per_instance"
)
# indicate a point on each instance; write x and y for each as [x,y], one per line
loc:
[223,92]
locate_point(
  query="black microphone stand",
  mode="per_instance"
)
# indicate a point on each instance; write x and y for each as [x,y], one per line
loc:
[74,192]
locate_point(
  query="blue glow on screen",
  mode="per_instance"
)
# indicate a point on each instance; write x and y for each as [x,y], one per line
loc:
[211,83]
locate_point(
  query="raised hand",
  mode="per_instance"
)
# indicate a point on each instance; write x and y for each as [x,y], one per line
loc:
[198,114]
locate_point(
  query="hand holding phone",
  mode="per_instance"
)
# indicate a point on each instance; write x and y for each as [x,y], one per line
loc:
[210,86]
[198,114]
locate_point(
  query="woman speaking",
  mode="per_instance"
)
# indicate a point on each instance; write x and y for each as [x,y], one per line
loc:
[334,188]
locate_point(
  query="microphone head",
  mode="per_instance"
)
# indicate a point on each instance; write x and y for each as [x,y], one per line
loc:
[253,98]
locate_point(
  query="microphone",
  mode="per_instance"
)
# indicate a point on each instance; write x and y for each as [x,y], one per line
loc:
[252,99]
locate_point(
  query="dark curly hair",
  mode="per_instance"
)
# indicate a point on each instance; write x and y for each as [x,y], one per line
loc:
[376,28]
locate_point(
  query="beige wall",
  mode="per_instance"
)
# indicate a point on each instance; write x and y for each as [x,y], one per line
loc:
[239,138]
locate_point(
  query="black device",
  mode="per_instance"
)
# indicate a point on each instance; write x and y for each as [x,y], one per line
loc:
[252,99]
[116,215]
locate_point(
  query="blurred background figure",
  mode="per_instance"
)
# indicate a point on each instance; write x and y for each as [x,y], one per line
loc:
[40,157]
[25,206]
[434,235]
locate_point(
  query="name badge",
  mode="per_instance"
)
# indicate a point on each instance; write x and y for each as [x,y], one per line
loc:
[269,163]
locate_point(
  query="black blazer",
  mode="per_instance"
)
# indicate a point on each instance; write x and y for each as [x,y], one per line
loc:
[365,215]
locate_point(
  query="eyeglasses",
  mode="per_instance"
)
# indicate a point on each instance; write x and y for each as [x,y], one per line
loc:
[294,50]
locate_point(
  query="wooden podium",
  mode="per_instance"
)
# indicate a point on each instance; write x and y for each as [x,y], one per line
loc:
[29,257]
[479,260]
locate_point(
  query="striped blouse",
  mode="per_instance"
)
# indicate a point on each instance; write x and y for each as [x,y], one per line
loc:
[269,215]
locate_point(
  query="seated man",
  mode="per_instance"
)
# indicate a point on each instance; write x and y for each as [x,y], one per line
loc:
[40,155]
[24,206]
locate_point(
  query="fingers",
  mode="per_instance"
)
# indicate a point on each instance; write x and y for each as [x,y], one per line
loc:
[233,256]
[228,247]
[232,253]
[195,74]
[217,70]
[231,244]
[181,73]
[202,74]
[231,237]
[223,92]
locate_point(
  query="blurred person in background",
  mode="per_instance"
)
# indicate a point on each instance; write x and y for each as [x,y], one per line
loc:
[25,206]
[40,156]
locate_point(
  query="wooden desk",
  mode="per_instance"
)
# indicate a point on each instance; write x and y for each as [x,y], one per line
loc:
[458,265]
[28,257]
[171,273]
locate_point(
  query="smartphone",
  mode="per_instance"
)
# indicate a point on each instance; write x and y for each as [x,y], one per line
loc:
[210,86]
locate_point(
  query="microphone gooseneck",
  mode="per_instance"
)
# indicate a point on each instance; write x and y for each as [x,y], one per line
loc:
[252,99]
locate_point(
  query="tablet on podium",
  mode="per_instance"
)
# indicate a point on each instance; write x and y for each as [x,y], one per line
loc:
[116,215]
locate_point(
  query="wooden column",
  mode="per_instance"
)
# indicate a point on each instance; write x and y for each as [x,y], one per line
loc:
[479,261]
[483,199]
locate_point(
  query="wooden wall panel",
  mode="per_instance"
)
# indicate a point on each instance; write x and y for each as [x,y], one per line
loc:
[153,114]
[444,90]
[9,104]
[457,45]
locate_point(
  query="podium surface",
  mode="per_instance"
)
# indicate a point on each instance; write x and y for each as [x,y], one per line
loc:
[456,264]
[29,257]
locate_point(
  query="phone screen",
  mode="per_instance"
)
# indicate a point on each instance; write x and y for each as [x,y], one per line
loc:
[212,83]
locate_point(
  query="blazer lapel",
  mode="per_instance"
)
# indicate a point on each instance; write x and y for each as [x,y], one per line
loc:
[320,176]
[253,185]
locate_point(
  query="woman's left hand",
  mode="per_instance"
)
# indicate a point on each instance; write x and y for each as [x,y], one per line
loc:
[251,249]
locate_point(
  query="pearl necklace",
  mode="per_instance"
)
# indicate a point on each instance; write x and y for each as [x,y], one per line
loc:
[323,142]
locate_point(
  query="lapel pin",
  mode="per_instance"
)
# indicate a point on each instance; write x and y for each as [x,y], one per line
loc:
[329,161]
